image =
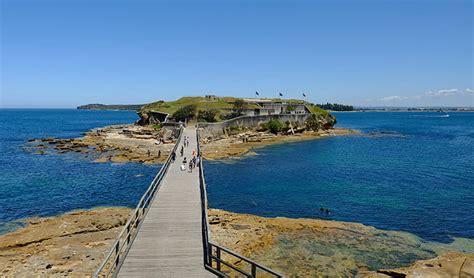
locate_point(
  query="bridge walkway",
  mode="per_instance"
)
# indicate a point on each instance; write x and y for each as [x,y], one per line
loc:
[169,242]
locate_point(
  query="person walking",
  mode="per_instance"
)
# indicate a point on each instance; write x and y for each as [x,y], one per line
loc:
[183,165]
[173,157]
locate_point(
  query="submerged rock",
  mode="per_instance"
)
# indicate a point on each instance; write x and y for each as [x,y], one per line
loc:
[320,248]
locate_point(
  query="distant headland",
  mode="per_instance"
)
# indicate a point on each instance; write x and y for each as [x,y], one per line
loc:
[98,106]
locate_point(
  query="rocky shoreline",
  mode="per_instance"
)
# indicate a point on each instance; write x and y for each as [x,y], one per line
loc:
[72,244]
[244,144]
[116,143]
[144,144]
[75,243]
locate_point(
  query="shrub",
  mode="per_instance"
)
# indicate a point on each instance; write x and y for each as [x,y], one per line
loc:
[239,106]
[290,108]
[185,112]
[275,126]
[208,115]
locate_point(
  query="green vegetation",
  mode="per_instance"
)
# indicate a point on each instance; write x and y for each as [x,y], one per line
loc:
[212,108]
[185,113]
[202,103]
[274,126]
[157,127]
[97,106]
[336,107]
[239,105]
[317,110]
[208,115]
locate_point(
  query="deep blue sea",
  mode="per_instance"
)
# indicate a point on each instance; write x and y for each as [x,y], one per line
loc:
[420,180]
[45,185]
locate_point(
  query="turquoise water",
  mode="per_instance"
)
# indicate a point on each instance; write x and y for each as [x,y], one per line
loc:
[45,185]
[419,180]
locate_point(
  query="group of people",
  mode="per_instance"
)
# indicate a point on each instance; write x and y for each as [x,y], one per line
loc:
[195,159]
[186,141]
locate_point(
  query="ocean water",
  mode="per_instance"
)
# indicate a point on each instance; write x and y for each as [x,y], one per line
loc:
[419,178]
[51,184]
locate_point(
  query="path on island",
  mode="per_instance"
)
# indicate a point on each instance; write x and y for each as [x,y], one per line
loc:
[169,242]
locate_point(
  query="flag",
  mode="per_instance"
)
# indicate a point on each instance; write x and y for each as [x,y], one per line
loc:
[304,95]
[281,94]
[257,93]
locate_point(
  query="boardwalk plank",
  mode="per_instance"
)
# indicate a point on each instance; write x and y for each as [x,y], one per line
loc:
[169,243]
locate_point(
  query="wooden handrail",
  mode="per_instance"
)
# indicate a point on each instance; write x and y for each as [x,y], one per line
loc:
[208,245]
[133,224]
[112,262]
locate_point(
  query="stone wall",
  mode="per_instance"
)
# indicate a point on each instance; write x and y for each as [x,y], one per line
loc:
[217,129]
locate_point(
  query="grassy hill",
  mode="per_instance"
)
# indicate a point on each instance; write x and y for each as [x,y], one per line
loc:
[204,103]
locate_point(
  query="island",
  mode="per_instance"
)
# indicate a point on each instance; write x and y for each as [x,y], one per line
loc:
[76,242]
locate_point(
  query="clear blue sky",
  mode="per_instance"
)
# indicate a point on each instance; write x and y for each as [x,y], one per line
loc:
[67,53]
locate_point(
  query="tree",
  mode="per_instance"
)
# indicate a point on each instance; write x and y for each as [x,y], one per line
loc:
[274,126]
[208,115]
[239,105]
[185,113]
[336,107]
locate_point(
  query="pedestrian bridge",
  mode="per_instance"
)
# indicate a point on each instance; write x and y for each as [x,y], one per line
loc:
[168,234]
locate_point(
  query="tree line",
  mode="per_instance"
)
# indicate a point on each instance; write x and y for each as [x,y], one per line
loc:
[336,107]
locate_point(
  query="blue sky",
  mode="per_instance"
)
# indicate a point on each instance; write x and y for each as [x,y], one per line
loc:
[67,53]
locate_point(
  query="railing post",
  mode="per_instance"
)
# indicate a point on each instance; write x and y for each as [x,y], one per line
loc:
[254,271]
[136,218]
[117,248]
[128,235]
[209,253]
[218,261]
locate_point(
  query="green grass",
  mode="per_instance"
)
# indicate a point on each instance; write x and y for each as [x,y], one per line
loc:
[217,103]
[202,104]
[317,110]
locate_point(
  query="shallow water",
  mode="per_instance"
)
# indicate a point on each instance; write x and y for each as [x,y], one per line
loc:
[418,178]
[51,184]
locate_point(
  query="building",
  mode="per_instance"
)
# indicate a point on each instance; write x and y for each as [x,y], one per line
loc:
[274,107]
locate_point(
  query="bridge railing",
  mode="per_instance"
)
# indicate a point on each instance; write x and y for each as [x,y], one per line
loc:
[220,260]
[114,259]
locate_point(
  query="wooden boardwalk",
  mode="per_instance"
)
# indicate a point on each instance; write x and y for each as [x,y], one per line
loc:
[169,242]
